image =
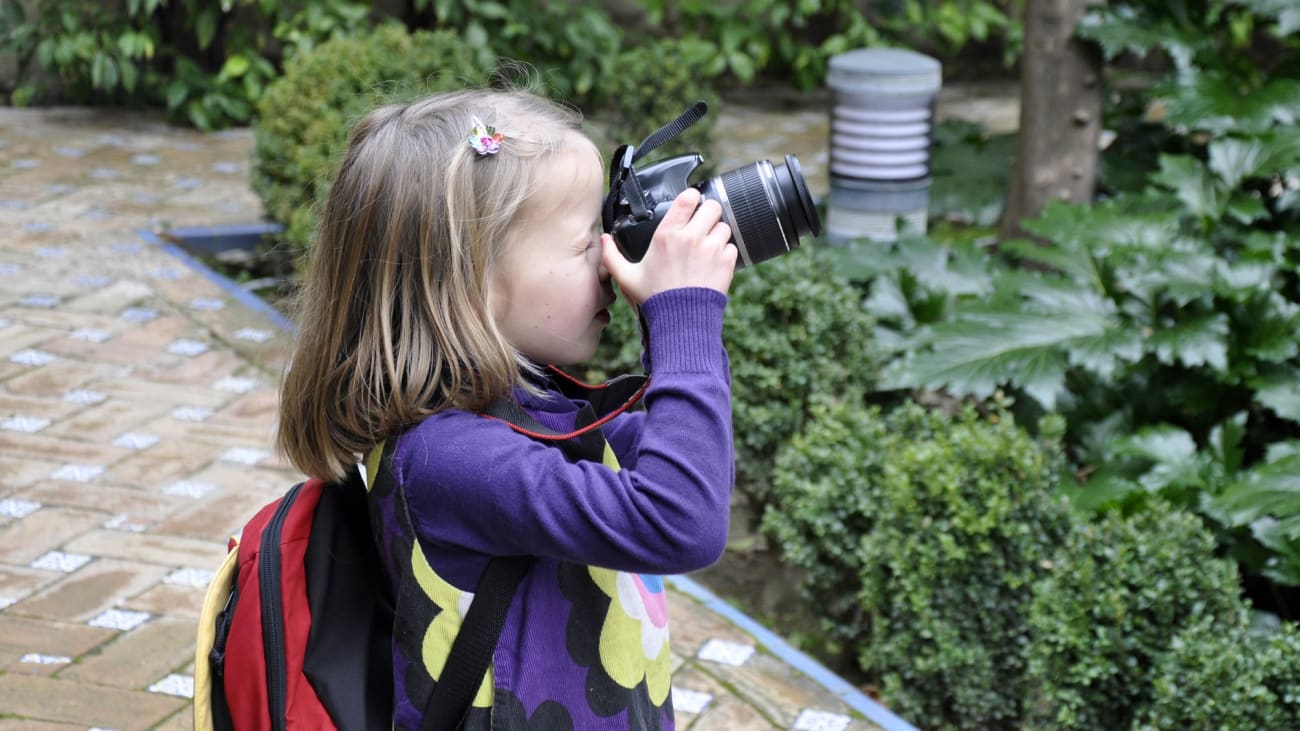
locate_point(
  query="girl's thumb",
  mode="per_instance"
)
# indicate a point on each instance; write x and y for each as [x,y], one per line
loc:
[615,263]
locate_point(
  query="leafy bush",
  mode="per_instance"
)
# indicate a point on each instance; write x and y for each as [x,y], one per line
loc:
[573,42]
[825,498]
[1118,594]
[965,522]
[305,116]
[795,332]
[1161,322]
[206,63]
[645,88]
[1217,677]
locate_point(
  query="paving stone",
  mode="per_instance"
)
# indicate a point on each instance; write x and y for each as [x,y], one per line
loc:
[18,337]
[14,405]
[113,298]
[64,320]
[165,462]
[174,551]
[220,514]
[22,635]
[103,422]
[50,445]
[128,389]
[20,472]
[728,713]
[99,586]
[144,505]
[171,601]
[68,701]
[205,368]
[57,378]
[17,582]
[259,407]
[11,724]
[774,688]
[22,541]
[687,638]
[139,657]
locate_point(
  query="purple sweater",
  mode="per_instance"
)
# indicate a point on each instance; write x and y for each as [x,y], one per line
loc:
[582,647]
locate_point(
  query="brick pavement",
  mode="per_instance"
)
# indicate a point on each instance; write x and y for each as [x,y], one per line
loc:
[137,403]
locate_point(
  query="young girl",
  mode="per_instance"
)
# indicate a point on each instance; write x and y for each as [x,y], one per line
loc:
[460,254]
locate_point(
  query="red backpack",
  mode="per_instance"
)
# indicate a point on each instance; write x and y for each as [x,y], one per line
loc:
[265,657]
[307,555]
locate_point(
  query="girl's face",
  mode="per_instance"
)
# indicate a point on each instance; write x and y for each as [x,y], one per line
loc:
[550,293]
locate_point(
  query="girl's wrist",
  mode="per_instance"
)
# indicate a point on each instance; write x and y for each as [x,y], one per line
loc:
[685,329]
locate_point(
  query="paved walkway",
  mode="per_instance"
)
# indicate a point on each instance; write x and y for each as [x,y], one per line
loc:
[137,403]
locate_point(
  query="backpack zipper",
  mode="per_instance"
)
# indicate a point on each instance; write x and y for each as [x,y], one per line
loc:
[268,565]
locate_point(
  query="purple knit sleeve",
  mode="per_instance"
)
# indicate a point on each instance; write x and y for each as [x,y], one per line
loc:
[475,486]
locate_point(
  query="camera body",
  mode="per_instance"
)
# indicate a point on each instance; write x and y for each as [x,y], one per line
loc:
[768,208]
[661,182]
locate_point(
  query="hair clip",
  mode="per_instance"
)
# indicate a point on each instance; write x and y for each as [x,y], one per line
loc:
[484,139]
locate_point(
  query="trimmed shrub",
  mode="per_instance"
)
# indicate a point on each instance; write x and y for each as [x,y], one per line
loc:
[305,116]
[825,498]
[965,520]
[1224,677]
[795,332]
[1118,593]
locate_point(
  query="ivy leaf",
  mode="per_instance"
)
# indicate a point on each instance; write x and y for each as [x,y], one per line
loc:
[1197,342]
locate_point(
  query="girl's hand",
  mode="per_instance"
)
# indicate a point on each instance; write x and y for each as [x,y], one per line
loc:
[690,248]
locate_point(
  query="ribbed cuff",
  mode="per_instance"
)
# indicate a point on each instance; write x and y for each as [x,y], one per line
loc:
[685,330]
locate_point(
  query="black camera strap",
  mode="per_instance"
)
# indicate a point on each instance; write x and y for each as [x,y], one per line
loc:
[622,173]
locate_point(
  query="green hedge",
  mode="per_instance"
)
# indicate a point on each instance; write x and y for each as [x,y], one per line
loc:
[305,116]
[921,536]
[1215,677]
[1118,594]
[796,332]
[966,519]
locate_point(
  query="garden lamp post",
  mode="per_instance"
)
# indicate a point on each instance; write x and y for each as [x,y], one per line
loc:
[882,111]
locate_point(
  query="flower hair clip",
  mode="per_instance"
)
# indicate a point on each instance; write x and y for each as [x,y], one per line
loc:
[485,140]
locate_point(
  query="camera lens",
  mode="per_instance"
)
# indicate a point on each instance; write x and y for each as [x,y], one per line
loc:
[767,207]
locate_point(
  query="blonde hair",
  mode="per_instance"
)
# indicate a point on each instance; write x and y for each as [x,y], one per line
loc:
[394,313]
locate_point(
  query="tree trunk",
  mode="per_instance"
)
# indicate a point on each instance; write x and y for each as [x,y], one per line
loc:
[1060,113]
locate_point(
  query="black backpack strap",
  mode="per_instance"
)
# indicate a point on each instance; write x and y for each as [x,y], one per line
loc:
[471,651]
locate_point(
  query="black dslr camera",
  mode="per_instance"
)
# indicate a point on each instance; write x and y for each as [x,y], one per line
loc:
[767,207]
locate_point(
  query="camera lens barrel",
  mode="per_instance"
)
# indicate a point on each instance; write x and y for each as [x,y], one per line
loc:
[767,207]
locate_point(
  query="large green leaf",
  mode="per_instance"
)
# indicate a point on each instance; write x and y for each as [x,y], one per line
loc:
[1171,452]
[1193,184]
[1268,489]
[1219,103]
[1200,341]
[977,352]
[1280,392]
[1285,12]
